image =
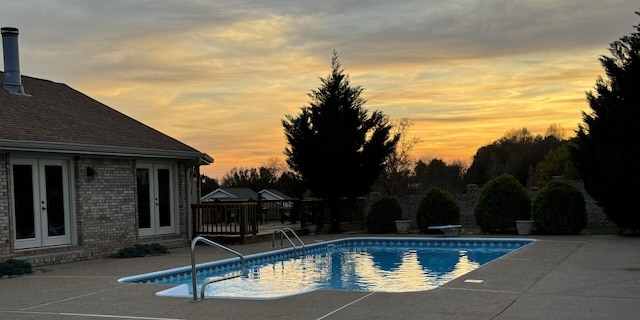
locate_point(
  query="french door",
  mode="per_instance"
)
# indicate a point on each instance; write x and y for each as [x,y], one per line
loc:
[41,202]
[156,199]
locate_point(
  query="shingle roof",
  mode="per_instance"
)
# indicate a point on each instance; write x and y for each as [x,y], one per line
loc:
[276,193]
[234,193]
[55,114]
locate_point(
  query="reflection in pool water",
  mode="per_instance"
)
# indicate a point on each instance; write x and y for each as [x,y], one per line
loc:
[356,264]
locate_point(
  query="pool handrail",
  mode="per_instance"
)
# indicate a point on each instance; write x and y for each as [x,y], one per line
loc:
[283,232]
[210,280]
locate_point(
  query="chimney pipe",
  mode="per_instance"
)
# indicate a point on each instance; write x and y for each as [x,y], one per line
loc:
[12,78]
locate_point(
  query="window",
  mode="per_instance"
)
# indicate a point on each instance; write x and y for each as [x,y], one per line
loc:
[41,202]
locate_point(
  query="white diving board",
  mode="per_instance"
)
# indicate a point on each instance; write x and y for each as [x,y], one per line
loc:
[450,230]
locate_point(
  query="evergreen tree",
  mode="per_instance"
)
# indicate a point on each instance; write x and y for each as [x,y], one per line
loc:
[606,146]
[335,145]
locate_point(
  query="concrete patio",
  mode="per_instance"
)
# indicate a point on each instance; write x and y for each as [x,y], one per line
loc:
[557,277]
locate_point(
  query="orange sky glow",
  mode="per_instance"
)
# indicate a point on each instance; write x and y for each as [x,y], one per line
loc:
[221,75]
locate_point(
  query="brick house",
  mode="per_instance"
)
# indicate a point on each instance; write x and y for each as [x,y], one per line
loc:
[79,180]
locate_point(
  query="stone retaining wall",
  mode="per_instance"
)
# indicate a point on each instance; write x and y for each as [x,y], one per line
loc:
[467,202]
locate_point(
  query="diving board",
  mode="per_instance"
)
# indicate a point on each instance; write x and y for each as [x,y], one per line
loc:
[450,230]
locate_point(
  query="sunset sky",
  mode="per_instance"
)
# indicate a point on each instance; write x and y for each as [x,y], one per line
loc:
[221,75]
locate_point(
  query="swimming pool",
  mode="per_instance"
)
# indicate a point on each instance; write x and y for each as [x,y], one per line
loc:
[383,264]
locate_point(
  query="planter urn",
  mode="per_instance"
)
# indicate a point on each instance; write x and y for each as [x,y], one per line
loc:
[524,226]
[402,226]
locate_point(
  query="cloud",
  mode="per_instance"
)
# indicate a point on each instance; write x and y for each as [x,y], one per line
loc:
[221,75]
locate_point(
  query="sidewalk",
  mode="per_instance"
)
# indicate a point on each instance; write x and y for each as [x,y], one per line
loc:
[557,277]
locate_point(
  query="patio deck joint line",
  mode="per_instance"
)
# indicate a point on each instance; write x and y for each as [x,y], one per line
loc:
[481,290]
[76,297]
[87,315]
[346,305]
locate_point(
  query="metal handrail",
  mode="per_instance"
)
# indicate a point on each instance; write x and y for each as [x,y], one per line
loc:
[283,232]
[210,280]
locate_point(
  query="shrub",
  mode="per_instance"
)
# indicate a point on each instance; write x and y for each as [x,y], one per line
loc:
[503,200]
[559,208]
[437,207]
[141,250]
[14,267]
[382,215]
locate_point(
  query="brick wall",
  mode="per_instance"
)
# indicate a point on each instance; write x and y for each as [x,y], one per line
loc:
[105,205]
[184,205]
[105,219]
[5,229]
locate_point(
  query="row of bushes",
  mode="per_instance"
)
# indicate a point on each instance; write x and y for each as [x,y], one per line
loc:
[559,208]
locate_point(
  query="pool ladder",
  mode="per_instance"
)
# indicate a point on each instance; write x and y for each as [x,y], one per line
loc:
[283,234]
[210,280]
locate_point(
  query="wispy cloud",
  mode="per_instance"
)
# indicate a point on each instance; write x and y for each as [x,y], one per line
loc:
[221,75]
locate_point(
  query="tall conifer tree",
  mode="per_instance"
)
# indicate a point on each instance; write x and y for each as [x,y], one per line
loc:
[607,145]
[335,145]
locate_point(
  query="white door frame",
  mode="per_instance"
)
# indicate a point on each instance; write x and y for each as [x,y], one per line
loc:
[157,202]
[43,234]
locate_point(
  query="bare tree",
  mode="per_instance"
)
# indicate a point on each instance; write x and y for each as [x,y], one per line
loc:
[397,170]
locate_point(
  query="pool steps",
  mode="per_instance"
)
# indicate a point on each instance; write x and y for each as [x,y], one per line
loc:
[283,234]
[210,280]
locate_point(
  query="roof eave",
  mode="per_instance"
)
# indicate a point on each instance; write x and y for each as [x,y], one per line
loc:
[68,148]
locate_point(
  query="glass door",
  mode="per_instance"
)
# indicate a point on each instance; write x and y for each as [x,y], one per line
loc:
[54,201]
[144,188]
[41,202]
[164,198]
[156,200]
[26,207]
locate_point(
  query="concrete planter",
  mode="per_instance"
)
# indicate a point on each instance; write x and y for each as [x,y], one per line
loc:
[403,226]
[524,226]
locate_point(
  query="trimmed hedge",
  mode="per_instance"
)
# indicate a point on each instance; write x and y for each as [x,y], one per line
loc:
[503,200]
[382,216]
[438,207]
[559,208]
[14,267]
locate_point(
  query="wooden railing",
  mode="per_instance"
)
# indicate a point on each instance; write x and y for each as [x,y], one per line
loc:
[318,211]
[279,210]
[232,218]
[225,218]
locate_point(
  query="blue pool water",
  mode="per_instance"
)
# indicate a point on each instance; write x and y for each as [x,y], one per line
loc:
[355,264]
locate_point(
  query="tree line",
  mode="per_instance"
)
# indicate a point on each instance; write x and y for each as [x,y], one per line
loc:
[533,160]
